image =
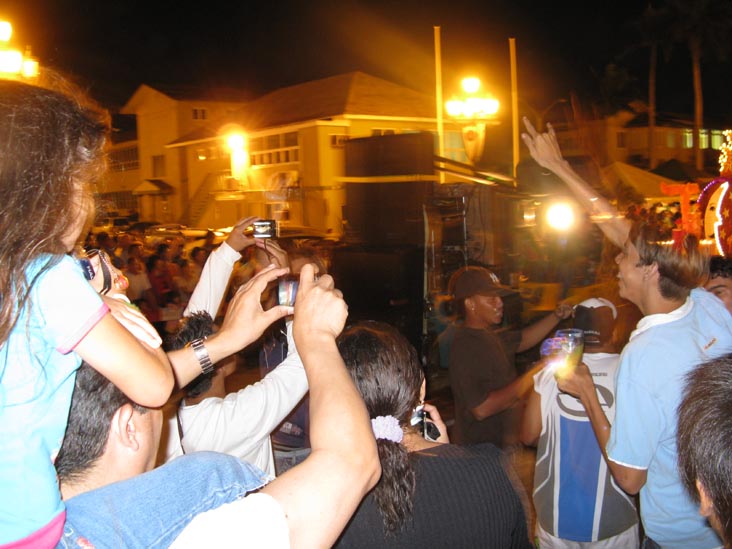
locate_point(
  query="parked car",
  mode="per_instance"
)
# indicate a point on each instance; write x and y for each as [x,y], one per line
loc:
[139,227]
[110,225]
[192,236]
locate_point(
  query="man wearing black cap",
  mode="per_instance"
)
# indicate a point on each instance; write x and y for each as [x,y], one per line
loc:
[483,376]
[574,496]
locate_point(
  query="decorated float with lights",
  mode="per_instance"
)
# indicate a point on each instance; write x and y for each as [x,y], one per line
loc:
[714,205]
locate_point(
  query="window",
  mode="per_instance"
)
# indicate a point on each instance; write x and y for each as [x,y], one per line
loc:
[274,149]
[620,140]
[125,159]
[272,142]
[289,139]
[158,165]
[703,139]
[338,141]
[383,131]
[202,153]
[200,114]
[687,139]
[717,139]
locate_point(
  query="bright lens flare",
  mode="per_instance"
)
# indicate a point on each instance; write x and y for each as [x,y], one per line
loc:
[471,84]
[6,31]
[560,216]
[235,142]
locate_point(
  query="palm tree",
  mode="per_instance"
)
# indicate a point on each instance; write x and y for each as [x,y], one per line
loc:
[704,26]
[652,28]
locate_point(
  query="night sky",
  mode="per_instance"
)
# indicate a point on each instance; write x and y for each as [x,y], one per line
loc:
[113,46]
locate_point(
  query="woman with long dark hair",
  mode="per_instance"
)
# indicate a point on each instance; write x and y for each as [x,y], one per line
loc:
[51,154]
[431,494]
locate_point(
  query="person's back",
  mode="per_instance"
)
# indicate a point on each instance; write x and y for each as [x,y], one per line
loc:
[463,498]
[430,494]
[237,423]
[575,497]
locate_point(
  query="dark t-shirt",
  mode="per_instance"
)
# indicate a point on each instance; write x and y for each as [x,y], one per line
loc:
[463,498]
[481,361]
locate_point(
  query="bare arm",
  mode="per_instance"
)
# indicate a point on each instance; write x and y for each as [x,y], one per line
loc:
[501,399]
[320,495]
[580,384]
[533,334]
[141,372]
[245,321]
[531,420]
[216,272]
[544,148]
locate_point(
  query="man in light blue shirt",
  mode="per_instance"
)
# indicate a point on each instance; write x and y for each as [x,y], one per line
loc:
[682,327]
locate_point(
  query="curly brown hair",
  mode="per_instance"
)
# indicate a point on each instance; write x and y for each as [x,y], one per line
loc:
[52,140]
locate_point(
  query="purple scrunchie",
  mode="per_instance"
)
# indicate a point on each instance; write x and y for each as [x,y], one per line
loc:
[387,427]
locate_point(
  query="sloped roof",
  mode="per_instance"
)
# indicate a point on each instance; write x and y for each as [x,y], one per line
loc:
[645,182]
[184,92]
[680,171]
[354,93]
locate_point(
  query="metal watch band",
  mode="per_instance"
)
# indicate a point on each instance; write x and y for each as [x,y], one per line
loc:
[202,355]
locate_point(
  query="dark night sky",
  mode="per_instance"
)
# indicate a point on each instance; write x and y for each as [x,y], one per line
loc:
[115,45]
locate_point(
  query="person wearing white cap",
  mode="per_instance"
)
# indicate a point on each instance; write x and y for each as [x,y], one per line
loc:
[483,376]
[576,499]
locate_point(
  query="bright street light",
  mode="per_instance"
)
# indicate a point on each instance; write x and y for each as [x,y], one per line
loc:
[475,109]
[560,216]
[471,84]
[13,63]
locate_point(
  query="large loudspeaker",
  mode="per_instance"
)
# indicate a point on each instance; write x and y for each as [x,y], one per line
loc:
[387,213]
[399,154]
[382,284]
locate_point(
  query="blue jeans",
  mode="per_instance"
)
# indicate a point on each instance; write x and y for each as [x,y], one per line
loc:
[152,509]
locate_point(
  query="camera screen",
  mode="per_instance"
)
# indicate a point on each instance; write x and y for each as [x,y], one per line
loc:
[287,290]
[266,228]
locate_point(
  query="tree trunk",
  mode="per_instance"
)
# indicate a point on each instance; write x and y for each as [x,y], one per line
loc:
[695,48]
[652,160]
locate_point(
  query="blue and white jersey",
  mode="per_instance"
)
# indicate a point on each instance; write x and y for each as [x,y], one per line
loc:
[575,495]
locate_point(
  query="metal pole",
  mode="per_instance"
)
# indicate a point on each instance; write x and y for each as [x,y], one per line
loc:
[514,107]
[438,99]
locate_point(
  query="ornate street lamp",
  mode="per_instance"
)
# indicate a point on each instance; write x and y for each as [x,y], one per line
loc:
[13,63]
[476,110]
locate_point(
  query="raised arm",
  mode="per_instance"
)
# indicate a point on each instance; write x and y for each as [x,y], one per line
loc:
[320,495]
[534,333]
[245,321]
[216,272]
[544,148]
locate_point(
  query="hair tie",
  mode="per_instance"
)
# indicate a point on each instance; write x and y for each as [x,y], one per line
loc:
[387,427]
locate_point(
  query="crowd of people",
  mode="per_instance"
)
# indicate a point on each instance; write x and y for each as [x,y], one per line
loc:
[90,356]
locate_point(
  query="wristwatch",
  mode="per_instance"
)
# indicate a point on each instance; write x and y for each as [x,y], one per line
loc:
[202,355]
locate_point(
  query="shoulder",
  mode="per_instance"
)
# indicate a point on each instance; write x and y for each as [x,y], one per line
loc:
[484,451]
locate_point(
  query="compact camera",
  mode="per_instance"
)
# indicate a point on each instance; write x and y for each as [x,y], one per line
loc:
[264,228]
[287,290]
